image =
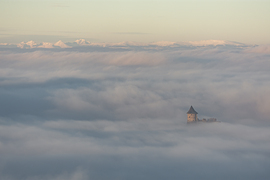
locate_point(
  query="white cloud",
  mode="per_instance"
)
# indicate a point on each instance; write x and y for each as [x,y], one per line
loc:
[122,111]
[259,49]
[78,174]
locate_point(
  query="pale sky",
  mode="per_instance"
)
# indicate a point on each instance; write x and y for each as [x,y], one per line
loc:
[245,21]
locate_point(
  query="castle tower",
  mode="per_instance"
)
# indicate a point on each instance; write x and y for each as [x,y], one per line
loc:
[192,115]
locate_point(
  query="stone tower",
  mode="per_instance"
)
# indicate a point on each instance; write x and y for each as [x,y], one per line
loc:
[192,115]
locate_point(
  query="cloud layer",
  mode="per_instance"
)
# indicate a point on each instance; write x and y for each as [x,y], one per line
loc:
[118,111]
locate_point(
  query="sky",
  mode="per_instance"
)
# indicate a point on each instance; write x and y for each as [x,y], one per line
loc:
[97,90]
[245,21]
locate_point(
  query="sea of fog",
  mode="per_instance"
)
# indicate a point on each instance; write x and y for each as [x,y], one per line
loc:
[118,113]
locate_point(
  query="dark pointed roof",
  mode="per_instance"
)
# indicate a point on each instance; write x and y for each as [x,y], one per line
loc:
[191,111]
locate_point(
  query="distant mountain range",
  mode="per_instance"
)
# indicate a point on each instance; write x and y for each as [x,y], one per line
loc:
[83,42]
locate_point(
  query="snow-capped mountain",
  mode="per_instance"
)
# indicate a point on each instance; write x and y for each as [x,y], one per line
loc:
[82,42]
[29,44]
[61,44]
[213,43]
[124,44]
[32,44]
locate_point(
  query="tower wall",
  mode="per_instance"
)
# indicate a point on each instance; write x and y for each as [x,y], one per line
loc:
[192,118]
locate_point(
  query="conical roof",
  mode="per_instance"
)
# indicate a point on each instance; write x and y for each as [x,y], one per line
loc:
[191,111]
